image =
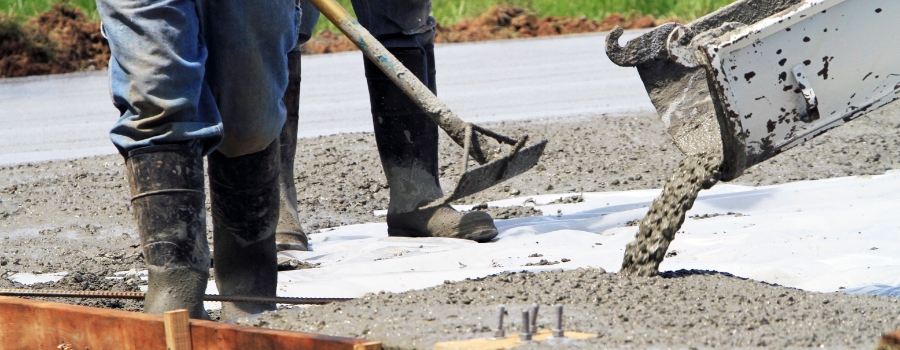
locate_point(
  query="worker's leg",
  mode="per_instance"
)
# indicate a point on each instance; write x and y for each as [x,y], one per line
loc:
[168,121]
[247,70]
[156,75]
[289,235]
[169,206]
[244,204]
[407,138]
[248,42]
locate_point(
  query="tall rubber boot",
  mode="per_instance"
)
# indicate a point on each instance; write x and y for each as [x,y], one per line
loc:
[408,145]
[169,207]
[245,205]
[289,235]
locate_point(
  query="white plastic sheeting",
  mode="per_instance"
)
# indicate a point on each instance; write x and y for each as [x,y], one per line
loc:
[823,235]
[36,278]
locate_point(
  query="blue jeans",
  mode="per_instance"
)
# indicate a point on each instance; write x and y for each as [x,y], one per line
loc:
[395,23]
[208,73]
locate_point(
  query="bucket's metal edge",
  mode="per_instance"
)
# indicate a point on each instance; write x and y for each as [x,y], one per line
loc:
[736,148]
[638,53]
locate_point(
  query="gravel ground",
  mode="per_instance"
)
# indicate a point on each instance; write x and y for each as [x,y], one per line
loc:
[74,216]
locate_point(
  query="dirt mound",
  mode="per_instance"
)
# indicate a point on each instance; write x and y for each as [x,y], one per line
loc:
[60,40]
[507,22]
[499,22]
[327,42]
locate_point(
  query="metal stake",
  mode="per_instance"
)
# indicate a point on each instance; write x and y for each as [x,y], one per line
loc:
[525,335]
[558,331]
[501,333]
[534,315]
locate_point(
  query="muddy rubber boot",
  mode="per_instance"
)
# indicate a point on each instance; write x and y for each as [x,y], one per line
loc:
[245,205]
[408,145]
[289,235]
[169,208]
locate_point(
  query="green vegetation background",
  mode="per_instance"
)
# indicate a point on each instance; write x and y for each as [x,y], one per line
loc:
[452,11]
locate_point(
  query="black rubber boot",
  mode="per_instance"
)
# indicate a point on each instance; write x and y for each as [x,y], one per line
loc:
[169,207]
[408,145]
[289,235]
[245,205]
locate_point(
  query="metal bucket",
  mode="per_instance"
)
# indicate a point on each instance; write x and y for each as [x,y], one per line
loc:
[762,76]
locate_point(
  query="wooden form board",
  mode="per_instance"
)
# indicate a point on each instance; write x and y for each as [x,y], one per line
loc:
[31,324]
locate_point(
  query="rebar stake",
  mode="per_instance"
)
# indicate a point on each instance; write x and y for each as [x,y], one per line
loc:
[501,333]
[534,315]
[558,331]
[526,334]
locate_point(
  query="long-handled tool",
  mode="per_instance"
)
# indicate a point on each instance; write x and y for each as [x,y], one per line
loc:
[469,136]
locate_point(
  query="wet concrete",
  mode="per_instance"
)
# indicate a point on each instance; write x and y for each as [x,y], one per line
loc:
[74,216]
[685,309]
[687,109]
[632,309]
[667,212]
[699,170]
[69,116]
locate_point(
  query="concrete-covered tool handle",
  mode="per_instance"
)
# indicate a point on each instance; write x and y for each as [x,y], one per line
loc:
[405,80]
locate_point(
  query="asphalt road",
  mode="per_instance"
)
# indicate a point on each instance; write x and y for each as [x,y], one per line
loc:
[68,116]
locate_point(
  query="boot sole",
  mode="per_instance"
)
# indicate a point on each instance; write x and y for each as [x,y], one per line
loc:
[402,232]
[290,241]
[481,235]
[290,246]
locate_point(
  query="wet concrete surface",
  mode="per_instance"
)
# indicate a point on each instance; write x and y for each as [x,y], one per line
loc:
[684,309]
[68,116]
[73,216]
[55,117]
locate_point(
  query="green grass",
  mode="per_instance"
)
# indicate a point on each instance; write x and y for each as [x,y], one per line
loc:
[597,9]
[22,10]
[452,11]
